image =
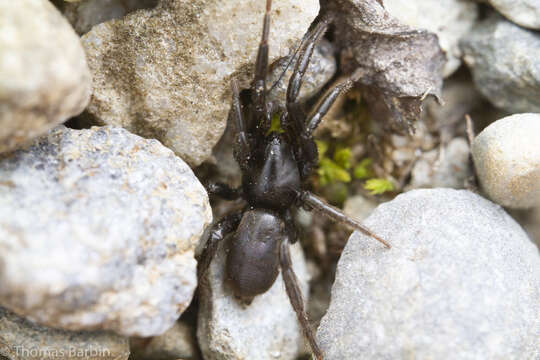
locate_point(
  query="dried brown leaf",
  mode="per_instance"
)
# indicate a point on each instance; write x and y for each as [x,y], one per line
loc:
[398,65]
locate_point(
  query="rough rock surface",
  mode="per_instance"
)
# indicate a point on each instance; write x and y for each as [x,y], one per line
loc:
[503,58]
[462,281]
[176,343]
[265,329]
[523,12]
[97,231]
[165,73]
[21,339]
[85,14]
[442,167]
[449,19]
[44,77]
[507,160]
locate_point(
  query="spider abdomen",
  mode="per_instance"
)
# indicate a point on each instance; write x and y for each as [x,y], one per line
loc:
[253,259]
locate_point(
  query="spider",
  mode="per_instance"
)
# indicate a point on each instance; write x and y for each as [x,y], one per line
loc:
[274,165]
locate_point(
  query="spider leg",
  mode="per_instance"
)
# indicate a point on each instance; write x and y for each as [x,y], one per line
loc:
[217,233]
[295,296]
[306,51]
[242,148]
[320,110]
[261,68]
[311,201]
[223,190]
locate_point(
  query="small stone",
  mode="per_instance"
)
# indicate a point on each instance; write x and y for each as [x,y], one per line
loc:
[98,231]
[448,169]
[87,13]
[507,160]
[503,58]
[462,281]
[449,19]
[176,343]
[44,77]
[21,339]
[523,12]
[165,73]
[265,329]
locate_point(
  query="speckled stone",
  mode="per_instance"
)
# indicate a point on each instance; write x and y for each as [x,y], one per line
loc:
[525,13]
[462,281]
[267,329]
[507,160]
[165,73]
[178,342]
[449,19]
[44,77]
[503,59]
[21,339]
[98,229]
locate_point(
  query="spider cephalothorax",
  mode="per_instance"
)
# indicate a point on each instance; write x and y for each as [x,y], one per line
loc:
[274,165]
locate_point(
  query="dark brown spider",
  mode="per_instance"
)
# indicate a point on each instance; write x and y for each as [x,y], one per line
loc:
[274,167]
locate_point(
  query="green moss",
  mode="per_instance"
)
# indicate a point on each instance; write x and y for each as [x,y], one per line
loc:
[342,156]
[378,186]
[363,170]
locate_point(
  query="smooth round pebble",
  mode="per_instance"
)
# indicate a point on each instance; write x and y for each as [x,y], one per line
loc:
[461,281]
[97,231]
[507,160]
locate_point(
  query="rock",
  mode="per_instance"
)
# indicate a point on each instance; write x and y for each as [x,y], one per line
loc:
[359,207]
[21,339]
[87,13]
[449,19]
[44,78]
[462,281]
[503,58]
[176,343]
[265,329]
[460,97]
[321,69]
[448,169]
[523,12]
[507,160]
[165,73]
[98,231]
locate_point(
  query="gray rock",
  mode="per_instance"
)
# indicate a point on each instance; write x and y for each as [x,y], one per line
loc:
[176,343]
[359,207]
[98,231]
[87,13]
[265,329]
[449,19]
[165,73]
[321,69]
[507,160]
[523,12]
[462,281]
[21,339]
[444,167]
[44,77]
[503,58]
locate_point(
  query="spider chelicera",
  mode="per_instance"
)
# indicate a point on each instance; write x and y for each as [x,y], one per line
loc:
[274,166]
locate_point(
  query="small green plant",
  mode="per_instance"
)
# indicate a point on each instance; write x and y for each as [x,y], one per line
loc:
[333,170]
[377,186]
[363,170]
